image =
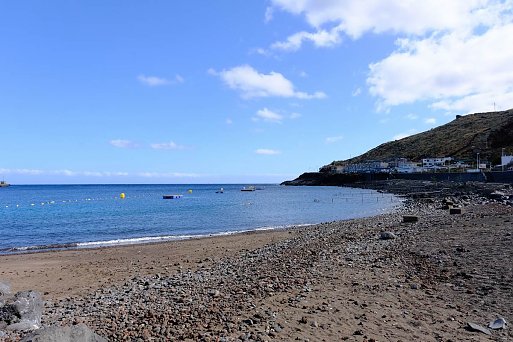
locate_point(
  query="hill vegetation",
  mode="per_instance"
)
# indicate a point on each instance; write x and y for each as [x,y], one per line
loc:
[462,139]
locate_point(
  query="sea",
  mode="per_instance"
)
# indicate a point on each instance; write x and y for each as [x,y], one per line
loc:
[46,217]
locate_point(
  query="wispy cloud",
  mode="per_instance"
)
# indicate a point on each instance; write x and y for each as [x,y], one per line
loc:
[123,143]
[356,92]
[269,11]
[228,121]
[167,146]
[321,38]
[332,140]
[267,152]
[155,81]
[62,172]
[412,116]
[430,121]
[268,115]
[250,84]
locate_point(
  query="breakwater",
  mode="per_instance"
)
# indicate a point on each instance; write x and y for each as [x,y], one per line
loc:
[338,179]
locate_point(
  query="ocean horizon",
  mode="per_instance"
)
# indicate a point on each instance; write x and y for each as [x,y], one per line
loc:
[46,217]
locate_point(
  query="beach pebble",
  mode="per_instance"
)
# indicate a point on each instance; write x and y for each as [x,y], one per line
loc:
[478,328]
[387,236]
[499,323]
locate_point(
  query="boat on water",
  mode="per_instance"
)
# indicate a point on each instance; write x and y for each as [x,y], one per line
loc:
[4,184]
[172,196]
[220,191]
[249,188]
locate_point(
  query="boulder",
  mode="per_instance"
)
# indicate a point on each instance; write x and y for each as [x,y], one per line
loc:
[75,333]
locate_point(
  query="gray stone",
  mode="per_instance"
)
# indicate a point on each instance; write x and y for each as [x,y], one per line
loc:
[499,323]
[387,236]
[477,327]
[76,333]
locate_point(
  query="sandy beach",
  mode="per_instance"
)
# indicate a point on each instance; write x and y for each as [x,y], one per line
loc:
[329,282]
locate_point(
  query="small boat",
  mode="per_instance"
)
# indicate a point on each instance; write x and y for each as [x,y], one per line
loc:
[171,196]
[249,188]
[4,184]
[220,191]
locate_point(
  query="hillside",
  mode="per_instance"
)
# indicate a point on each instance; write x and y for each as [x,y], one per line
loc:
[462,138]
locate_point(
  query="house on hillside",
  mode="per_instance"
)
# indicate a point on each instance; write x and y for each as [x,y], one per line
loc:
[434,163]
[404,165]
[371,166]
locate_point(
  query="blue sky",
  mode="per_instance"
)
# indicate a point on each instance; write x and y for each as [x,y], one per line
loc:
[235,91]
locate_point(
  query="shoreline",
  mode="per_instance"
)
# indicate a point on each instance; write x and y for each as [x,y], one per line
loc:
[34,241]
[148,240]
[332,281]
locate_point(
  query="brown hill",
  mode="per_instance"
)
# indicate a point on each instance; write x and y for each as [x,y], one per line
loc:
[462,138]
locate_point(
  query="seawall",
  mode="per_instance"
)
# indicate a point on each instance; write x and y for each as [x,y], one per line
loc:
[335,179]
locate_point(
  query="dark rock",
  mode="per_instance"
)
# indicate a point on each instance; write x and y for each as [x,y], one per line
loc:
[455,211]
[478,328]
[410,218]
[387,236]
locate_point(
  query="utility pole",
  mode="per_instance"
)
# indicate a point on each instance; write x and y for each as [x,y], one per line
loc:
[502,159]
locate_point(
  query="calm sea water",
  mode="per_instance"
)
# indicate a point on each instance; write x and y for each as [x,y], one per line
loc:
[56,216]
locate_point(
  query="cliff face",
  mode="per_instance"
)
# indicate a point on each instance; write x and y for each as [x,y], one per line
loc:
[462,138]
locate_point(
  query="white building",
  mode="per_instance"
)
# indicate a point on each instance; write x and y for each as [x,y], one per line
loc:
[405,166]
[505,160]
[435,162]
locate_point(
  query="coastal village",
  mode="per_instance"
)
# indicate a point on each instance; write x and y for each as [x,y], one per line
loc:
[436,164]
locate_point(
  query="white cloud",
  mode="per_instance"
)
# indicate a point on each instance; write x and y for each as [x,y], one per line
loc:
[332,140]
[430,121]
[355,18]
[294,116]
[268,115]
[405,134]
[267,152]
[321,38]
[356,92]
[412,116]
[250,83]
[450,54]
[122,143]
[269,11]
[166,146]
[453,72]
[32,172]
[154,81]
[62,172]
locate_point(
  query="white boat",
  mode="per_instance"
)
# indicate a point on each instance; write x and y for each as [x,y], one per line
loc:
[4,184]
[220,191]
[249,188]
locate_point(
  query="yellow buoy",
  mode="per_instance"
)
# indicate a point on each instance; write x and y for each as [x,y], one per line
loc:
[122,195]
[189,191]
